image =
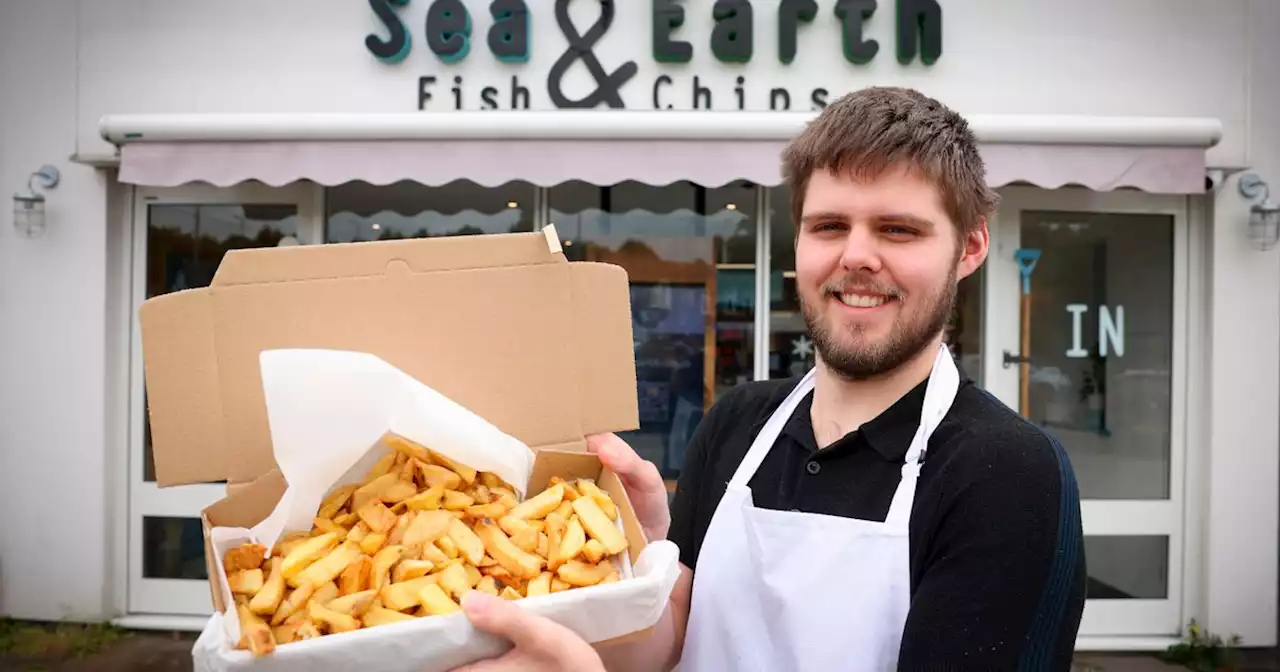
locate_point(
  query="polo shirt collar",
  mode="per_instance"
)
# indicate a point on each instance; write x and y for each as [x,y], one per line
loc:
[889,433]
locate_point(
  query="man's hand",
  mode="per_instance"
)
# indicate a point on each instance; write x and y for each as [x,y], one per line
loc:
[640,477]
[540,644]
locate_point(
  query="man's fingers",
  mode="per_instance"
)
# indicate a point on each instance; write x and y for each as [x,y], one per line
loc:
[539,643]
[503,618]
[636,472]
[596,441]
[641,479]
[492,665]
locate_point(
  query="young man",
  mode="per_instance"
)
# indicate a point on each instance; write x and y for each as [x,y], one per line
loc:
[881,512]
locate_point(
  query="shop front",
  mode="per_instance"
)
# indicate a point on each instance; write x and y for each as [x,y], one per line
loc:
[648,135]
[1107,330]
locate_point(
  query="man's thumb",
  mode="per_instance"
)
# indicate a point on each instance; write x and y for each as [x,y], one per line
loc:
[506,619]
[636,473]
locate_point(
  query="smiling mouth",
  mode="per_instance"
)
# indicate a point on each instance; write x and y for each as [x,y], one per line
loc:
[855,300]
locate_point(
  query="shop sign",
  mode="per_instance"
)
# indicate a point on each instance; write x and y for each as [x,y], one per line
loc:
[1110,330]
[450,29]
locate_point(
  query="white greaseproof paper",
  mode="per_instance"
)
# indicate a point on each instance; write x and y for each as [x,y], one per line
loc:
[328,411]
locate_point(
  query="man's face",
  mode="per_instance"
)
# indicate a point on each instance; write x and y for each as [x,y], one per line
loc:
[877,263]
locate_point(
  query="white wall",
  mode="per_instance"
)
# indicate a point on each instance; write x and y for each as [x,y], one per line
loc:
[1244,474]
[52,302]
[65,63]
[1084,57]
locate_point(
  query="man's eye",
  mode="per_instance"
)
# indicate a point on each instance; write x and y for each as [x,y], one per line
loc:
[898,231]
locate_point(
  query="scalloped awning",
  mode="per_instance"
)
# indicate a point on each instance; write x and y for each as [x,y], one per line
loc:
[1158,155]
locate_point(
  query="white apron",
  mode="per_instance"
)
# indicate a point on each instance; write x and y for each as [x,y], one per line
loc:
[784,590]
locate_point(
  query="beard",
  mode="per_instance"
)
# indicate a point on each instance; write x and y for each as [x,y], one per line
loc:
[852,356]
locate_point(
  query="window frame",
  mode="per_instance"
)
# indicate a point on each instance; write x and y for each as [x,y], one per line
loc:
[145,499]
[1175,517]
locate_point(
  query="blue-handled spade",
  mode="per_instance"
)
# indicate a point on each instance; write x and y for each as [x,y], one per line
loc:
[1026,259]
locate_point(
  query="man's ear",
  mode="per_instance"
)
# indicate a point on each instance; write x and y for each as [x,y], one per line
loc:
[973,249]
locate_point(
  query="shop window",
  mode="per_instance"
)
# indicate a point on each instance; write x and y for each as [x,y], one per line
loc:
[1101,335]
[1127,567]
[173,548]
[790,349]
[690,254]
[359,211]
[185,244]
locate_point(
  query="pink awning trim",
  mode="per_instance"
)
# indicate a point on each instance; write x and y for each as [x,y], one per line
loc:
[1159,170]
[1155,154]
[490,162]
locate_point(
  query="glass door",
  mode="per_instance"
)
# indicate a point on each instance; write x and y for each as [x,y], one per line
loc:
[180,236]
[1089,342]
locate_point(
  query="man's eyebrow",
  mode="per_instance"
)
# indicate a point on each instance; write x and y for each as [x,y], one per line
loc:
[891,218]
[823,217]
[912,220]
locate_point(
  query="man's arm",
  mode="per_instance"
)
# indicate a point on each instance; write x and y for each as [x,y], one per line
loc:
[1003,583]
[663,648]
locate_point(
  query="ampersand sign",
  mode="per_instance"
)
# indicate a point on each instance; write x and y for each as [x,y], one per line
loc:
[608,85]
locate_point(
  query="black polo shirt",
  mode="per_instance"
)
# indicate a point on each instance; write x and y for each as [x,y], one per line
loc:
[997,553]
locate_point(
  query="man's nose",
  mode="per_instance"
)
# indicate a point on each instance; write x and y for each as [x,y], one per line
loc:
[861,251]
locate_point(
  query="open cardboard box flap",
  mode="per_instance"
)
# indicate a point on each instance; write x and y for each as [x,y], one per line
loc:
[502,324]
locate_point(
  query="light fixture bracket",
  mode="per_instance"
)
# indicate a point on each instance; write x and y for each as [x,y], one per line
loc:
[1264,213]
[1254,188]
[28,207]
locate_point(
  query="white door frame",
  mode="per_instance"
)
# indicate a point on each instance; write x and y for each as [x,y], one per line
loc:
[182,596]
[1129,617]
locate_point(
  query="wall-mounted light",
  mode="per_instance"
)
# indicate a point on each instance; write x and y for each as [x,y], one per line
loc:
[28,208]
[1264,215]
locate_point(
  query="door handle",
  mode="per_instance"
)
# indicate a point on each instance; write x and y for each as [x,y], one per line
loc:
[1010,359]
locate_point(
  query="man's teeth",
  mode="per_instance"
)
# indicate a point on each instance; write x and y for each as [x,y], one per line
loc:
[862,300]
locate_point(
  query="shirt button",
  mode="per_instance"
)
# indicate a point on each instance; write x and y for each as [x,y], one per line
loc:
[813,467]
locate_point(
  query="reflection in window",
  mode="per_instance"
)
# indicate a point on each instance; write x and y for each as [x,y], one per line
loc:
[173,548]
[1127,567]
[359,211]
[185,244]
[690,252]
[790,348]
[1101,333]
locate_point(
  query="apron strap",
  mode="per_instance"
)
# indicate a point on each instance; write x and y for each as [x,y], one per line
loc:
[772,428]
[939,394]
[940,391]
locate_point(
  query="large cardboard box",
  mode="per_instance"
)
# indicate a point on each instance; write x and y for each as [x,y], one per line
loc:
[503,325]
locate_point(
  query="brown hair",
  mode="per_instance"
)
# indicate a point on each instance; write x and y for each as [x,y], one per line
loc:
[871,130]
